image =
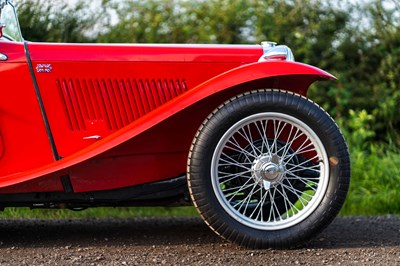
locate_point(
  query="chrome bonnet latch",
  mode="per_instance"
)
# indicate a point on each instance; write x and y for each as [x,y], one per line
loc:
[3,57]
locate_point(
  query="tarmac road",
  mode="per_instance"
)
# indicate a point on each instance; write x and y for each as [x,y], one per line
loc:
[188,241]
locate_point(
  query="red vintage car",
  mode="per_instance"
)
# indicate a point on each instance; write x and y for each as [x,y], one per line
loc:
[227,128]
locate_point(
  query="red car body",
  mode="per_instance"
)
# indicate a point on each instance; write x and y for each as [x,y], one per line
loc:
[86,125]
[120,115]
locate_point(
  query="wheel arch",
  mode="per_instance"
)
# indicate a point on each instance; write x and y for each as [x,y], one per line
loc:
[290,76]
[281,75]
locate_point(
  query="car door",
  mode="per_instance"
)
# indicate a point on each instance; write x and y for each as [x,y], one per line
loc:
[92,91]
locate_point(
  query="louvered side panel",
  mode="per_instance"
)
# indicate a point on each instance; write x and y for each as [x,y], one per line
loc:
[98,99]
[113,111]
[73,104]
[116,102]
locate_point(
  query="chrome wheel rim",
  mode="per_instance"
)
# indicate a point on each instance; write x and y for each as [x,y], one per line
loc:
[270,171]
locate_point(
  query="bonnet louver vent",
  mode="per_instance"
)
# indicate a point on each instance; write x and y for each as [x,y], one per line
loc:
[116,102]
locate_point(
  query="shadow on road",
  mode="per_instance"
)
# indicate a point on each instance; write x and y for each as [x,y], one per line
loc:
[348,232]
[98,232]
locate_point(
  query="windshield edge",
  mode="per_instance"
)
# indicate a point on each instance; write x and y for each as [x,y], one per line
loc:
[10,2]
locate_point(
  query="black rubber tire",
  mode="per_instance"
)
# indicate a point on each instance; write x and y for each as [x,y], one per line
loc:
[206,141]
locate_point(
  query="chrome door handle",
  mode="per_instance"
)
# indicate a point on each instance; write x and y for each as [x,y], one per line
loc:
[3,57]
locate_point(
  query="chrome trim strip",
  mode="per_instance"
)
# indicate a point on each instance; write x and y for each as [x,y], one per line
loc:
[96,137]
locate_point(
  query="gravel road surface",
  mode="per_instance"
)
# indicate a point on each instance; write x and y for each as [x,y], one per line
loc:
[188,241]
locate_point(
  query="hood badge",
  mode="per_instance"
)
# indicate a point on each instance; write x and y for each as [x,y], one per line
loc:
[44,68]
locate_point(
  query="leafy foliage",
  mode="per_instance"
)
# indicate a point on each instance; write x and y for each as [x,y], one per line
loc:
[56,21]
[366,59]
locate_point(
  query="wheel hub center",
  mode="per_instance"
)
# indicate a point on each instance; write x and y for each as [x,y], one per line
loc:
[267,171]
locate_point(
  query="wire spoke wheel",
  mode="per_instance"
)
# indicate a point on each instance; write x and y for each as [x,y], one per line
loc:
[268,169]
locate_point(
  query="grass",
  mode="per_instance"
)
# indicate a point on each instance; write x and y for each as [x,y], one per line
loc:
[101,212]
[375,183]
[374,190]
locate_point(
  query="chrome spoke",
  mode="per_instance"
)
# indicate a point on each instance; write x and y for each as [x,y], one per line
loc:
[234,176]
[248,138]
[307,161]
[260,205]
[306,182]
[247,198]
[232,160]
[289,144]
[297,192]
[273,205]
[261,133]
[295,153]
[308,179]
[278,134]
[271,209]
[236,188]
[294,166]
[265,138]
[286,197]
[296,169]
[239,148]
[252,192]
[241,189]
[240,165]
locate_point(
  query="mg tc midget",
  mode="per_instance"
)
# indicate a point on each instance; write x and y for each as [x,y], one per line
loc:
[227,128]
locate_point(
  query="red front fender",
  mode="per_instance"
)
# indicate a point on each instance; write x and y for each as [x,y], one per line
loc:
[282,72]
[277,74]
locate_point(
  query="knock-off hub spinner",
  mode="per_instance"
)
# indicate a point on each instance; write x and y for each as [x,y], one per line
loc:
[267,171]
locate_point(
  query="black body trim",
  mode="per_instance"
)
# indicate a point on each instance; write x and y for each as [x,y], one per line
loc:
[41,105]
[171,192]
[66,183]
